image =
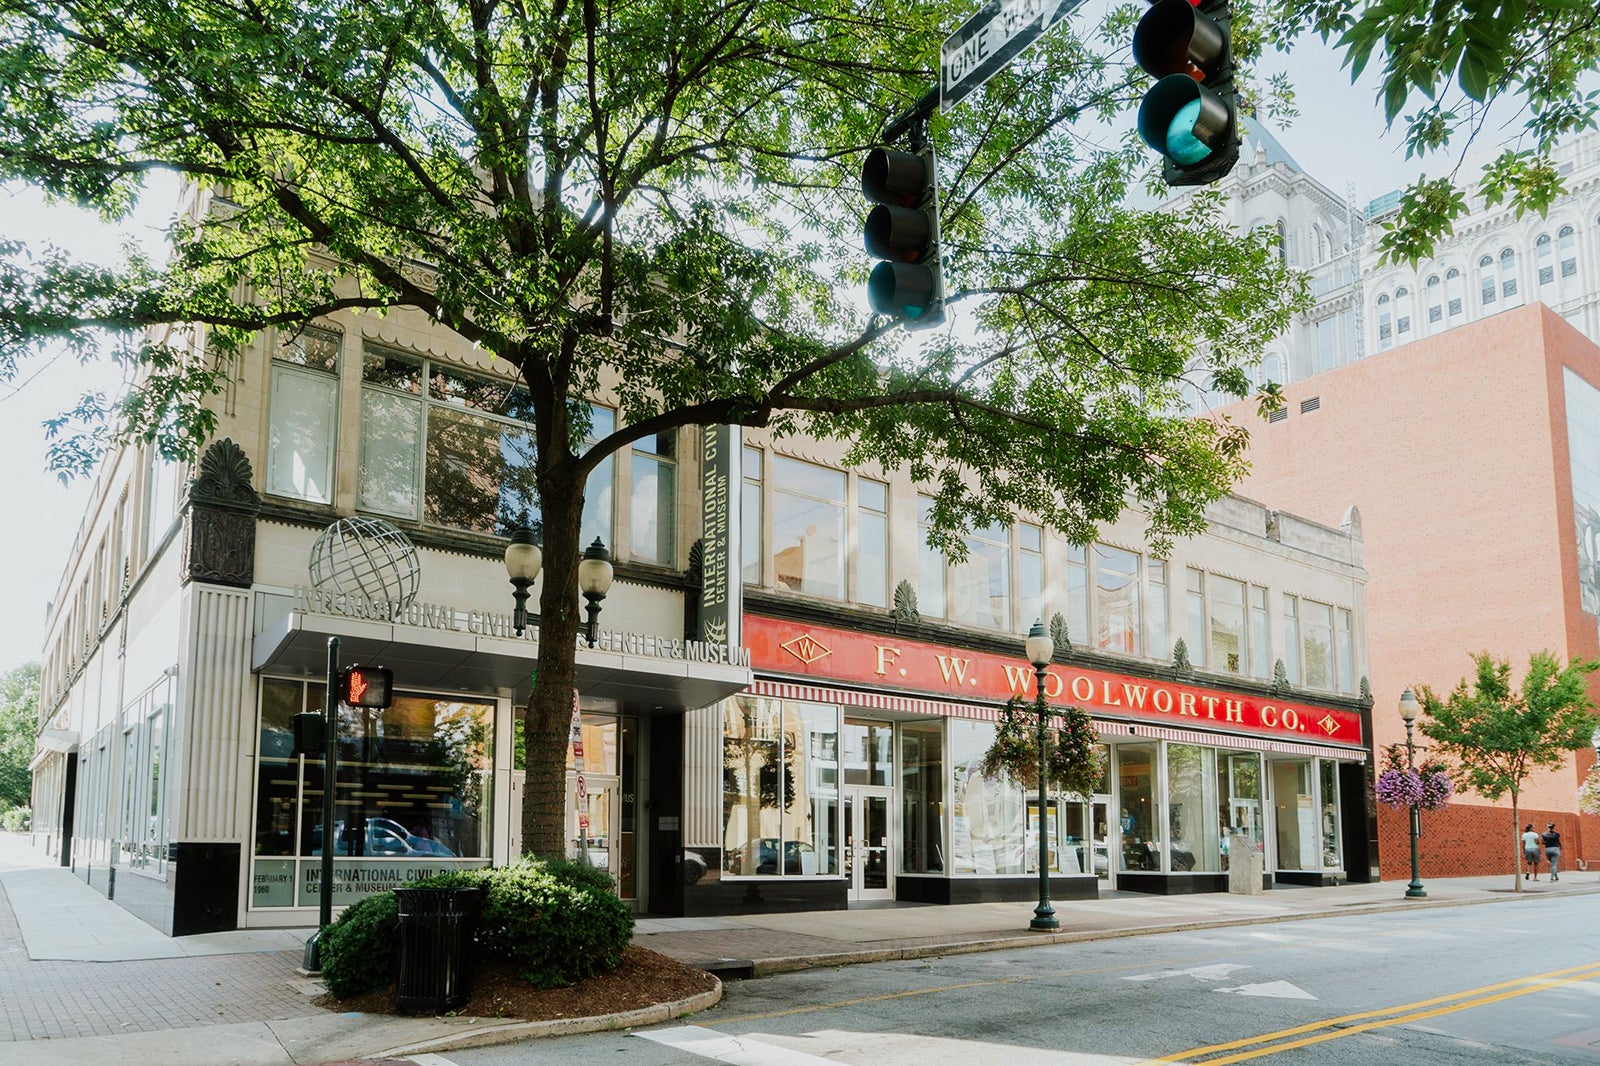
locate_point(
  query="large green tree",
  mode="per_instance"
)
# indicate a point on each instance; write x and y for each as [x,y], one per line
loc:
[663,195]
[1496,734]
[19,721]
[1469,69]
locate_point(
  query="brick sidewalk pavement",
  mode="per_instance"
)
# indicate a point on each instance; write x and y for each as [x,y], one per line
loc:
[56,1000]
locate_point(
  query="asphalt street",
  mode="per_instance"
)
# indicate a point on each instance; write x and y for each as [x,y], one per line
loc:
[1507,984]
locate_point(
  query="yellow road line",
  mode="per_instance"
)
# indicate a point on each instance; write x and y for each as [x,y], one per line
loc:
[1410,1012]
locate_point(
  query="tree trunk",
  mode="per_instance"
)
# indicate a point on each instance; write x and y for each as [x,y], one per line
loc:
[549,717]
[1516,829]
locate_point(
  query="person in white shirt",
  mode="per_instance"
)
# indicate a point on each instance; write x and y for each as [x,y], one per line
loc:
[1530,851]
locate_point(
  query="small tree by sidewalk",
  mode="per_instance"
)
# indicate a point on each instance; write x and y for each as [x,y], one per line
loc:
[1496,735]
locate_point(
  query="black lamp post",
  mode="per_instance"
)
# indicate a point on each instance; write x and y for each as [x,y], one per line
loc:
[1040,649]
[1409,708]
[594,581]
[523,560]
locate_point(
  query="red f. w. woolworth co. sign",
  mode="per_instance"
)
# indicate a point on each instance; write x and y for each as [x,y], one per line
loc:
[823,653]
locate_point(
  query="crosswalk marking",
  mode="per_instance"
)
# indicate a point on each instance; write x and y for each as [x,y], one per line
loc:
[734,1050]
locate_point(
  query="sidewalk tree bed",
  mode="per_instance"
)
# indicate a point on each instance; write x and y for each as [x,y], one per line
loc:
[547,925]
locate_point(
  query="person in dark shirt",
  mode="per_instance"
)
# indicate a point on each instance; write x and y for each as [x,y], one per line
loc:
[1552,850]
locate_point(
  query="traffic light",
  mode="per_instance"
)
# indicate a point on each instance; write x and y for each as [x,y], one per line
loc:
[903,229]
[366,686]
[1191,114]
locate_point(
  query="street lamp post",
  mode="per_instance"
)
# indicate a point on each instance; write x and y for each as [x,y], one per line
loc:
[594,581]
[1409,708]
[523,562]
[1040,649]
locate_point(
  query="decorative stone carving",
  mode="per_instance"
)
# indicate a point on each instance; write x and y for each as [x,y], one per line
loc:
[905,602]
[219,535]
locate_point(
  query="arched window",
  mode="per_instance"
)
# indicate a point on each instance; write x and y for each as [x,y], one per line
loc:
[1508,274]
[1544,259]
[1385,324]
[1435,295]
[1402,311]
[1567,245]
[1283,241]
[1453,286]
[1486,280]
[1272,369]
[1316,238]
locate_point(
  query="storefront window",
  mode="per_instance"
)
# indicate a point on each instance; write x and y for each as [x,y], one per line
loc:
[413,784]
[780,788]
[922,797]
[986,825]
[1331,852]
[1191,799]
[1296,818]
[1239,786]
[1141,844]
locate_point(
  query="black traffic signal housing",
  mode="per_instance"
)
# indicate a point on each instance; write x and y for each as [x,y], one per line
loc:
[366,686]
[903,230]
[309,734]
[1191,114]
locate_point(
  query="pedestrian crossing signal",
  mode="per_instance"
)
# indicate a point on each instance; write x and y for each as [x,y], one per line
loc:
[366,686]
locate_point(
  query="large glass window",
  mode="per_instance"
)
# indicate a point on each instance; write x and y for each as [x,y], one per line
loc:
[1077,593]
[1195,600]
[808,527]
[1453,288]
[413,784]
[1030,572]
[922,797]
[1567,248]
[1486,280]
[1141,834]
[1260,642]
[652,513]
[1239,791]
[1332,850]
[987,834]
[780,773]
[980,586]
[1344,650]
[1296,819]
[1116,600]
[872,543]
[1191,808]
[1508,275]
[750,554]
[1227,624]
[455,449]
[1160,646]
[1291,638]
[303,412]
[1316,634]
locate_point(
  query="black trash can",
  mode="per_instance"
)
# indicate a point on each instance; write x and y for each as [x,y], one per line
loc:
[436,926]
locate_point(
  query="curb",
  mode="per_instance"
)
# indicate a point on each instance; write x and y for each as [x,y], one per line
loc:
[478,1034]
[794,963]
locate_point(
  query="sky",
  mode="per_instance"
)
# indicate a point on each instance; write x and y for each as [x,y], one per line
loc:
[45,514]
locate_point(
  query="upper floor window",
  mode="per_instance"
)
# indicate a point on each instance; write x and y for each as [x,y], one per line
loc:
[444,446]
[1116,599]
[1319,644]
[1160,639]
[806,511]
[1435,299]
[1385,322]
[1402,310]
[1486,280]
[976,591]
[1453,288]
[303,415]
[1227,625]
[1567,248]
[1260,642]
[652,508]
[1544,261]
[1508,273]
[1195,603]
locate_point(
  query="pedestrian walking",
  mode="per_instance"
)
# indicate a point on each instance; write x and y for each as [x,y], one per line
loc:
[1530,852]
[1552,851]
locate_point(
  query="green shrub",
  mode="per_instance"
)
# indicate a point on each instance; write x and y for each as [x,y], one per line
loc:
[580,874]
[357,951]
[16,820]
[555,932]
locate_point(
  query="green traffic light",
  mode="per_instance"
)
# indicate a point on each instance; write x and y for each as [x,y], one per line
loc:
[1182,144]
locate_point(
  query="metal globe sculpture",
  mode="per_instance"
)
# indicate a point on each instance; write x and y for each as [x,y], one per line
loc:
[370,558]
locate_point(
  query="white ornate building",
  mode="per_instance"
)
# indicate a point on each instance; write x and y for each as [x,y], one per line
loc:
[1493,262]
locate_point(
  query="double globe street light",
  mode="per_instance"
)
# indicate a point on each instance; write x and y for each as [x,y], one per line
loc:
[524,559]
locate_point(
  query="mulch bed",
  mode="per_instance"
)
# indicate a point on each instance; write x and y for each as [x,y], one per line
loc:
[643,979]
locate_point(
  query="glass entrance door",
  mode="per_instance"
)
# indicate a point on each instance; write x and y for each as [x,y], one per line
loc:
[1100,826]
[869,843]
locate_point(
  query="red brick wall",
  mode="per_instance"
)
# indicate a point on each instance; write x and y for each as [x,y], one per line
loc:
[1470,840]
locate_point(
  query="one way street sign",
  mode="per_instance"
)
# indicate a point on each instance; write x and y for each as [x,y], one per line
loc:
[992,38]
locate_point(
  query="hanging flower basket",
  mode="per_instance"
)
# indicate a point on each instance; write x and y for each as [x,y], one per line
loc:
[1072,752]
[1428,786]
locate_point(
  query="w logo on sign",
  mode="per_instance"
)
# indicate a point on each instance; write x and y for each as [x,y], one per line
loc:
[806,648]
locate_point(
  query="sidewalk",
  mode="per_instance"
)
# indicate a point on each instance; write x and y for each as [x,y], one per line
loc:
[82,981]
